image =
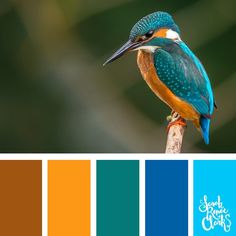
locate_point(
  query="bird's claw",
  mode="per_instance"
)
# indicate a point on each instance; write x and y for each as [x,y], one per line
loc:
[175,119]
[169,118]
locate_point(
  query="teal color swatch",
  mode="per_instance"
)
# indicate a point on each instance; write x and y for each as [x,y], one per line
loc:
[214,198]
[117,198]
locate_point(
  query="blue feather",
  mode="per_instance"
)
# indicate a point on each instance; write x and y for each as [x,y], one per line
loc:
[205,128]
[203,73]
[183,74]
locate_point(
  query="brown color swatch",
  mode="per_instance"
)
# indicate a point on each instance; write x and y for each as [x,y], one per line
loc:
[20,198]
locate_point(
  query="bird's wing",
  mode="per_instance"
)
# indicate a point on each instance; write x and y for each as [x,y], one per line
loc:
[184,75]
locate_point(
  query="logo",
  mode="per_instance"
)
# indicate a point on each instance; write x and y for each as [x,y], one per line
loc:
[215,214]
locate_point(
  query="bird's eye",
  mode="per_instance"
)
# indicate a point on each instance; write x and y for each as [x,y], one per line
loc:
[145,36]
[149,34]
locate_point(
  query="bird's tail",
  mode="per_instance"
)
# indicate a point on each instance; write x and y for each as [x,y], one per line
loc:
[205,128]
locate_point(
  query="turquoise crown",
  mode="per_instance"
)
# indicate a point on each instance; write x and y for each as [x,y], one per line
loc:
[153,21]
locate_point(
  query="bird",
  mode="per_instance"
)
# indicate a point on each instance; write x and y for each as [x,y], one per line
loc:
[171,70]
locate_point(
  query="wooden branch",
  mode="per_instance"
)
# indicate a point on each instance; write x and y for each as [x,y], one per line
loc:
[175,136]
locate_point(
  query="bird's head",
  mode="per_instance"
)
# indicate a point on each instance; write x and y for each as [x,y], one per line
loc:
[149,33]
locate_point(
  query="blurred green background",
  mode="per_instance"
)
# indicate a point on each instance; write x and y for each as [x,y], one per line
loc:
[55,95]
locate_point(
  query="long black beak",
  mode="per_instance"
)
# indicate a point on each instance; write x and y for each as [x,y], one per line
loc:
[128,46]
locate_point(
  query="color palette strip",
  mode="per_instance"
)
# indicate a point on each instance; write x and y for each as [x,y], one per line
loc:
[166,198]
[68,198]
[117,198]
[21,198]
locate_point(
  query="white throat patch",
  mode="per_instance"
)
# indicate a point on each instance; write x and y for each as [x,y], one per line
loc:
[147,48]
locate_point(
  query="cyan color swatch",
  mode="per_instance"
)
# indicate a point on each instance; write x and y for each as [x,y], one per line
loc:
[166,198]
[214,198]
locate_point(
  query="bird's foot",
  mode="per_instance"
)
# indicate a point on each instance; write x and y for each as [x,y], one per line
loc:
[175,119]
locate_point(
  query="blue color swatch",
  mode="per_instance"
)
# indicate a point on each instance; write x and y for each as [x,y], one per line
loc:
[214,198]
[166,198]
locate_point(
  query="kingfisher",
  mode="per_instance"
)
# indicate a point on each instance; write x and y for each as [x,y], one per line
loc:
[171,70]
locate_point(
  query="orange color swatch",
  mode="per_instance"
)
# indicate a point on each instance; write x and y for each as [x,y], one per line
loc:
[68,198]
